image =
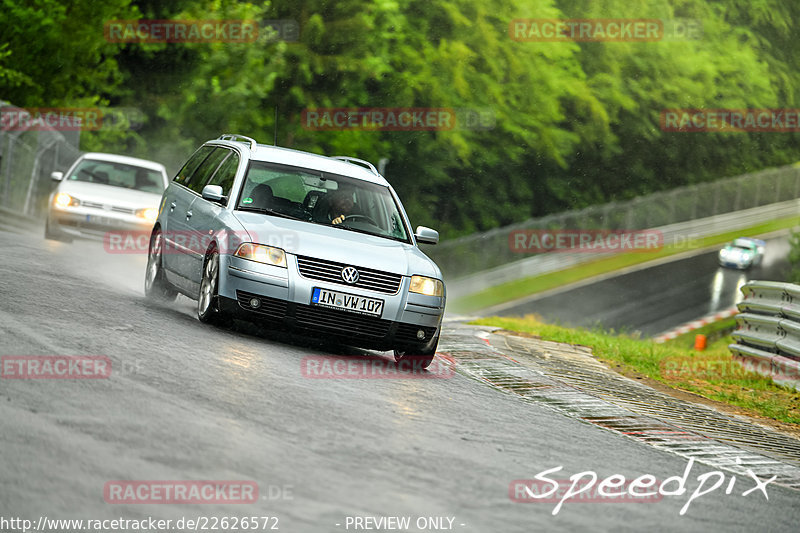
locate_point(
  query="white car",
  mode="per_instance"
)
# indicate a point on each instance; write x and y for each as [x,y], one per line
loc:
[104,192]
[742,253]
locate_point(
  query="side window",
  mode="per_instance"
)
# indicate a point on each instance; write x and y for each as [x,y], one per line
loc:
[204,172]
[185,174]
[226,173]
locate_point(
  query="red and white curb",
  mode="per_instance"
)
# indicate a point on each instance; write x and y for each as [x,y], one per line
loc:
[695,324]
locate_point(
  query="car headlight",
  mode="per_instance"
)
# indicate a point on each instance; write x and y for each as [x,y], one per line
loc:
[427,286]
[63,200]
[150,214]
[261,254]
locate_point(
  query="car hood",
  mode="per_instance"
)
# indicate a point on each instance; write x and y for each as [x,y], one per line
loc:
[334,244]
[108,194]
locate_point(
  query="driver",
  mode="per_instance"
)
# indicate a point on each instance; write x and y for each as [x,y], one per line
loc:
[341,206]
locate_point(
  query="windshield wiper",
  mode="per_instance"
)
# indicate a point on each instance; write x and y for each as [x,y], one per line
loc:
[365,232]
[266,211]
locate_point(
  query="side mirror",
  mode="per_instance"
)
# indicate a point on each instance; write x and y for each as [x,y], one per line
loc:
[426,235]
[57,176]
[213,193]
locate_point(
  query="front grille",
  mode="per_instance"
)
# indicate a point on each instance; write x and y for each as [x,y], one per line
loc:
[271,307]
[330,271]
[114,208]
[341,321]
[368,329]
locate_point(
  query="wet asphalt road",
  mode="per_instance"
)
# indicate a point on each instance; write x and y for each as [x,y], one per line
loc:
[654,300]
[186,401]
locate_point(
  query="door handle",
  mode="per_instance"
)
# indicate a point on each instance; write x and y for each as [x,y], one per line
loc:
[172,206]
[188,214]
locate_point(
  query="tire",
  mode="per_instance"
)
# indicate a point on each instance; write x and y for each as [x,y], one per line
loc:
[208,309]
[53,235]
[156,287]
[418,358]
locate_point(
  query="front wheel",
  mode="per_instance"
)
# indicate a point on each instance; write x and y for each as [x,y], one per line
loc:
[418,358]
[54,235]
[156,288]
[208,309]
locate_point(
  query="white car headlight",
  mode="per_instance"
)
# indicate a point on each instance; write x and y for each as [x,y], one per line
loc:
[427,286]
[261,254]
[63,200]
[150,214]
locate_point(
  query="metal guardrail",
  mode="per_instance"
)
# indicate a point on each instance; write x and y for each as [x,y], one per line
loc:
[483,260]
[678,234]
[768,331]
[27,157]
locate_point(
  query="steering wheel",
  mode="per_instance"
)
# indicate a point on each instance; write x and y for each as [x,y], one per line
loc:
[365,217]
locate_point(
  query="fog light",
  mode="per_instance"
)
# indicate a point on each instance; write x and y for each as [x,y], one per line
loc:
[255,303]
[420,334]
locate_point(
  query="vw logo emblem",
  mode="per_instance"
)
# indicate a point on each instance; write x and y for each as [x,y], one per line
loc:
[350,275]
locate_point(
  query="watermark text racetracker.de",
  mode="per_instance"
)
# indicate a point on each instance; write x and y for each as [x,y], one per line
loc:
[55,367]
[604,30]
[330,367]
[397,119]
[736,367]
[51,119]
[731,120]
[226,242]
[588,487]
[180,31]
[180,492]
[533,241]
[149,523]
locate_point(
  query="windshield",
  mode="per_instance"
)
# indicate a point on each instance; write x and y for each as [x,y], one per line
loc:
[118,175]
[322,198]
[743,245]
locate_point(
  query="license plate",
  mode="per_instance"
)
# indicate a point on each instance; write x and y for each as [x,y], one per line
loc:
[347,302]
[105,221]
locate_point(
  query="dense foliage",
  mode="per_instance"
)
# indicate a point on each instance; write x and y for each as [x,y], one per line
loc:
[575,123]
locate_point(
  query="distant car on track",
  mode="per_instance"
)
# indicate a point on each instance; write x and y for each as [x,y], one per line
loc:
[742,253]
[104,192]
[296,240]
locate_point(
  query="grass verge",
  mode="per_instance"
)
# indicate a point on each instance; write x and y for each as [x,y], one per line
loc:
[711,373]
[527,286]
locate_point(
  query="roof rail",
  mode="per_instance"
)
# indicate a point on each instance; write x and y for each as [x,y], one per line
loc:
[355,161]
[239,138]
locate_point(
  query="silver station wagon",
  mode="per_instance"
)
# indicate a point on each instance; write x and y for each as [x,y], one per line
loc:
[296,240]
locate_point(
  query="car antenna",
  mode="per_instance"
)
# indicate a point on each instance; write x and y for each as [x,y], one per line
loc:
[275,138]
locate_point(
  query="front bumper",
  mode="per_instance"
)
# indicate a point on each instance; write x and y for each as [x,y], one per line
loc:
[94,224]
[734,264]
[409,321]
